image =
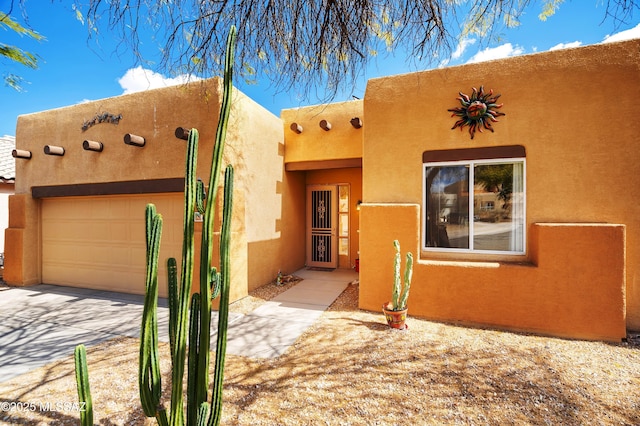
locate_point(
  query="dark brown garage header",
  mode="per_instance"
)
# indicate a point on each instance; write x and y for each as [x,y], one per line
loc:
[151,186]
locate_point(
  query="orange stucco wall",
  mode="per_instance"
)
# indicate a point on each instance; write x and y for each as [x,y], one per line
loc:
[255,145]
[561,292]
[285,251]
[22,249]
[314,145]
[568,109]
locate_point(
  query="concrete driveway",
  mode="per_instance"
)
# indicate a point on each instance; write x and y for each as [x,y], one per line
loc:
[43,323]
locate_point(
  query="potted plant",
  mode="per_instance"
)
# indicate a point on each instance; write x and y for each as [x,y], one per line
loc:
[396,311]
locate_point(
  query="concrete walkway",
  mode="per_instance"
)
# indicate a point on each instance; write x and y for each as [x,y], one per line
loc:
[269,330]
[43,323]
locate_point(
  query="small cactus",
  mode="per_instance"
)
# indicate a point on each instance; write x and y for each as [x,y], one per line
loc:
[401,289]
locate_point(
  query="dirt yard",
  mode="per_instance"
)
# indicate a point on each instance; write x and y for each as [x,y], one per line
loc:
[350,369]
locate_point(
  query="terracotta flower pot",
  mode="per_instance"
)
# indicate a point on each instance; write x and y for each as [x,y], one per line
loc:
[395,319]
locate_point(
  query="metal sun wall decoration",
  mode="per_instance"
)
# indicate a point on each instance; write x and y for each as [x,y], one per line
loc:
[477,111]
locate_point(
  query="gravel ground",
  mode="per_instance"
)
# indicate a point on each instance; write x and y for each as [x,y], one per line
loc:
[351,369]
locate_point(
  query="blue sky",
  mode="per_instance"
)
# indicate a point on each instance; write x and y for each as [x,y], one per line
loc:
[73,69]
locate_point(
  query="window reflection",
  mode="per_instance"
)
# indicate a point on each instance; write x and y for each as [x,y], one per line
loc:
[495,219]
[498,207]
[448,206]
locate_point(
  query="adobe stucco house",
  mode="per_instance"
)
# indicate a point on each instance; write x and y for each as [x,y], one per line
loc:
[535,227]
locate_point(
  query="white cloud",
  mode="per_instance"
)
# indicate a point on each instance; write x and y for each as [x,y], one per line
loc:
[139,79]
[623,35]
[566,45]
[460,49]
[462,46]
[491,53]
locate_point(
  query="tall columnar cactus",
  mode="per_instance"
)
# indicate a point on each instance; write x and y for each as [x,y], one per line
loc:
[212,282]
[190,316]
[84,391]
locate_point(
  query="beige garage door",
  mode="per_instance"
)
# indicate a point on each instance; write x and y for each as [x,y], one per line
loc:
[99,242]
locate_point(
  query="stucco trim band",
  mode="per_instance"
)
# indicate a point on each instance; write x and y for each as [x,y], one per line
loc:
[324,164]
[484,153]
[150,186]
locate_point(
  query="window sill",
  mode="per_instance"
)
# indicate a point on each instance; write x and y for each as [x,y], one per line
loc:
[485,264]
[473,259]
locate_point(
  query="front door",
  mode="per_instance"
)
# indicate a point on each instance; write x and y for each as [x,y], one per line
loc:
[322,211]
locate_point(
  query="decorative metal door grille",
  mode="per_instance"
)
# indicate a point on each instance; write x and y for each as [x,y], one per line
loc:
[322,219]
[321,248]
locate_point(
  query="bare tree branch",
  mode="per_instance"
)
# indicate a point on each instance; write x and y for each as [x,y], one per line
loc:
[621,11]
[309,44]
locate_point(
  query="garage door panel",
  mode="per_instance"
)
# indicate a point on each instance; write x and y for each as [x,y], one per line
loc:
[127,257]
[63,251]
[113,230]
[64,229]
[99,242]
[101,209]
[137,234]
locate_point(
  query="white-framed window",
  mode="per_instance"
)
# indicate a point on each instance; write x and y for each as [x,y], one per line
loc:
[475,205]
